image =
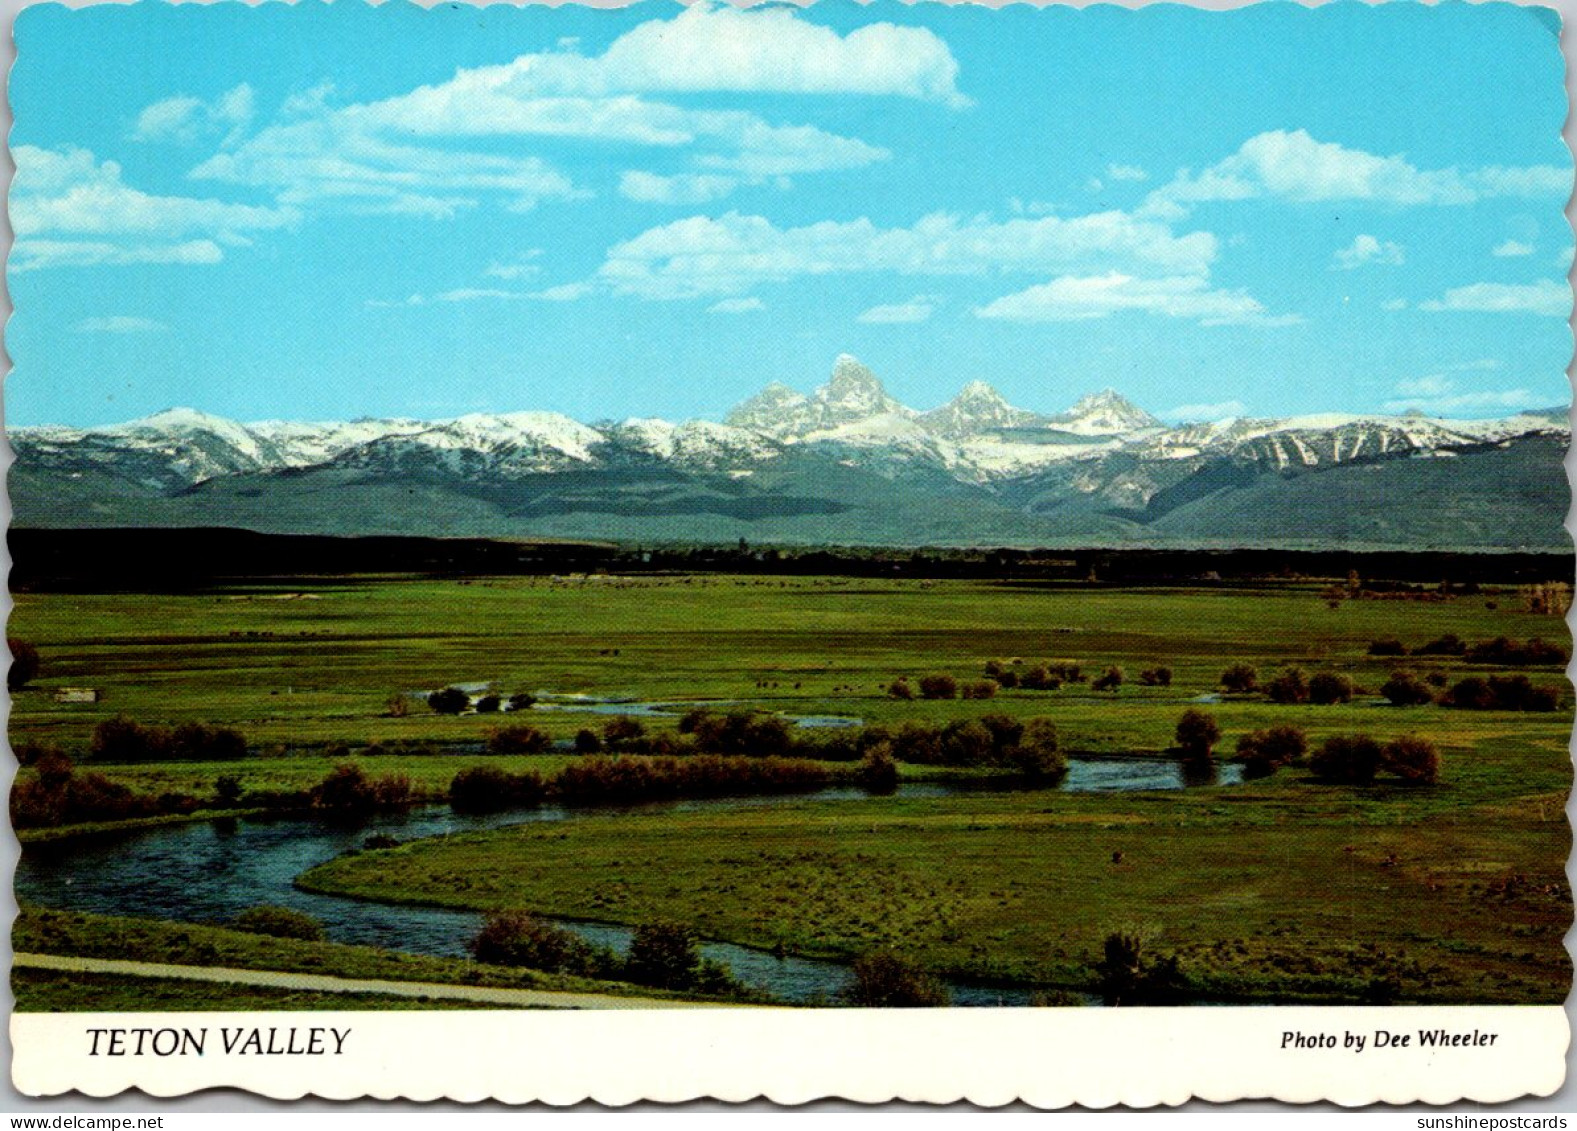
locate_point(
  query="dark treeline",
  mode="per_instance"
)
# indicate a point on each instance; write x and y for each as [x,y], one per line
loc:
[162,560]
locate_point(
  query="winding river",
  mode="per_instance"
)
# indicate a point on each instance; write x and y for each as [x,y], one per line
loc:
[211,871]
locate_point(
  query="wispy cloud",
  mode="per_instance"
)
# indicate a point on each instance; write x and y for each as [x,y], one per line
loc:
[185,120]
[70,209]
[119,324]
[681,188]
[734,253]
[407,153]
[1512,249]
[1440,395]
[1366,251]
[1080,298]
[1294,166]
[1544,298]
[917,309]
[737,306]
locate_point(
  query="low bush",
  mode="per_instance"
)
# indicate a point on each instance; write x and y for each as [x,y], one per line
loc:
[24,665]
[522,701]
[664,954]
[279,923]
[518,938]
[622,731]
[1448,645]
[900,688]
[755,733]
[1350,759]
[981,689]
[1039,678]
[597,779]
[348,792]
[1289,687]
[1263,752]
[1509,653]
[1404,689]
[938,685]
[56,794]
[1109,680]
[1197,734]
[449,701]
[878,772]
[1500,693]
[1327,688]
[1129,976]
[518,740]
[1412,759]
[487,789]
[886,981]
[587,742]
[1389,646]
[1240,679]
[1156,677]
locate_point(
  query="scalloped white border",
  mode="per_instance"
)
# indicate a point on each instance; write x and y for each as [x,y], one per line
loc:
[1049,1058]
[1189,1056]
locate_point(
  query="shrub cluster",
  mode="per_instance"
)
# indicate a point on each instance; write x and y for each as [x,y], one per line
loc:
[885,981]
[1355,759]
[1263,752]
[663,954]
[1156,677]
[1240,678]
[348,792]
[597,778]
[24,665]
[279,923]
[487,789]
[1535,652]
[123,740]
[738,732]
[1109,680]
[1197,734]
[1404,689]
[1500,693]
[449,701]
[56,794]
[1048,675]
[518,740]
[1030,747]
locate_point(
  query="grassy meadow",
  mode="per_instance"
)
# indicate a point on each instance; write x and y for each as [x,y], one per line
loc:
[1284,889]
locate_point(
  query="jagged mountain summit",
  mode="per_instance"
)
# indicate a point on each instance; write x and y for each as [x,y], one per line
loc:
[845,463]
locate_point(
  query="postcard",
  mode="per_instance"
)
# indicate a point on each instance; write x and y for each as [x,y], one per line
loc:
[881,551]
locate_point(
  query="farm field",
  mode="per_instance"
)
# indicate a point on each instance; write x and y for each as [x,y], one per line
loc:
[1282,889]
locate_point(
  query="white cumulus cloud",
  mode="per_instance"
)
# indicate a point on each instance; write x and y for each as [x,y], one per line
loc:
[68,208]
[1294,166]
[1366,250]
[402,154]
[1511,249]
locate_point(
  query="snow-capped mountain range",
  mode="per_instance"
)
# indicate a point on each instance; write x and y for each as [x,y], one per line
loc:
[1104,454]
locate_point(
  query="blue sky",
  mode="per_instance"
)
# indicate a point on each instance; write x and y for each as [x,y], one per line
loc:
[324,212]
